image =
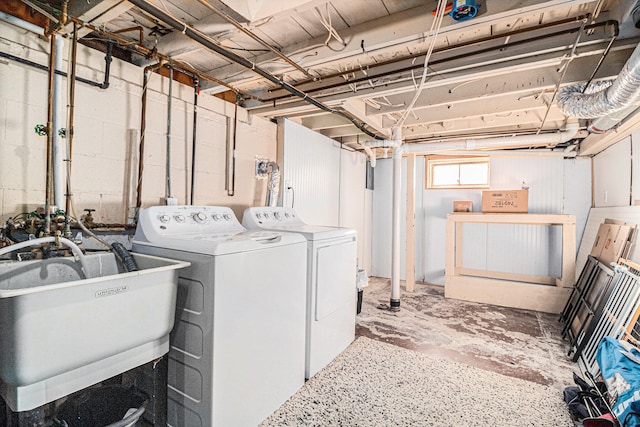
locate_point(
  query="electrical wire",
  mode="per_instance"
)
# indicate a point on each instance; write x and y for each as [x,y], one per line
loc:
[333,33]
[433,32]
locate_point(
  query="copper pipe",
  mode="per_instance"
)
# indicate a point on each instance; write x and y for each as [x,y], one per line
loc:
[50,130]
[140,30]
[71,82]
[139,49]
[249,33]
[63,15]
[149,53]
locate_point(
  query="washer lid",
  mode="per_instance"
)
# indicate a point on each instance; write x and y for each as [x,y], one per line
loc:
[286,219]
[222,244]
[312,232]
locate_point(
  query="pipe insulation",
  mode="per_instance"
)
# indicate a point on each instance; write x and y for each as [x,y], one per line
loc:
[212,45]
[606,99]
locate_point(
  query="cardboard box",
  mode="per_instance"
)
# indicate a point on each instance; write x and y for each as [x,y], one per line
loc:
[610,242]
[508,201]
[462,206]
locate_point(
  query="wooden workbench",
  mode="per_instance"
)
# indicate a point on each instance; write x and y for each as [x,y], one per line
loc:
[539,293]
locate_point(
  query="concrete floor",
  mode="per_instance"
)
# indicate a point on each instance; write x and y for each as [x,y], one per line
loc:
[512,342]
[517,343]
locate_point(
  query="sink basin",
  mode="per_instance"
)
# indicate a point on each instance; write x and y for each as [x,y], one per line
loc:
[60,332]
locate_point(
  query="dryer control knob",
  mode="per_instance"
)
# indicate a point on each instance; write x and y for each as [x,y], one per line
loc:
[258,215]
[179,218]
[200,217]
[227,217]
[217,217]
[164,218]
[278,216]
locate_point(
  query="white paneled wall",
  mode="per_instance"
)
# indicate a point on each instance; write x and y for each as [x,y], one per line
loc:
[512,248]
[324,183]
[107,125]
[353,207]
[311,169]
[612,175]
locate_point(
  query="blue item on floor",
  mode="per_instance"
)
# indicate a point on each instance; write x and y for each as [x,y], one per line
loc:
[619,363]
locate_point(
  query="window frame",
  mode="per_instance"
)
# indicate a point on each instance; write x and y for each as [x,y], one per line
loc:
[432,161]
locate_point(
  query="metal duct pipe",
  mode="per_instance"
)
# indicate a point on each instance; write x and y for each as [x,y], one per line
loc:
[274,184]
[603,106]
[211,44]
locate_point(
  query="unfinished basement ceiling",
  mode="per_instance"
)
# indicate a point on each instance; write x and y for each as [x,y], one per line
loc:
[496,74]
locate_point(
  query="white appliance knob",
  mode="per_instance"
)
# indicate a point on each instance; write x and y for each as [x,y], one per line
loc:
[217,217]
[179,218]
[165,218]
[227,217]
[278,216]
[258,215]
[266,215]
[200,217]
[286,215]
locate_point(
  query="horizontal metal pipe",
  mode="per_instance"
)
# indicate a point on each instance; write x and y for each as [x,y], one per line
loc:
[211,44]
[45,68]
[371,74]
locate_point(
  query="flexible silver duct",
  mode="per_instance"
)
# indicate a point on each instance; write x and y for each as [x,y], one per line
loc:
[623,94]
[274,184]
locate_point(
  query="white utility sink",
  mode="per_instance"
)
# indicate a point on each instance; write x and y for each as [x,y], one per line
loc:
[60,332]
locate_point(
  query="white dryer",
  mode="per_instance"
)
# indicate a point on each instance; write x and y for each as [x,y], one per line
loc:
[331,281]
[237,348]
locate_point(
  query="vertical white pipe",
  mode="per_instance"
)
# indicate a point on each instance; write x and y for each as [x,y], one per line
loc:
[395,220]
[59,111]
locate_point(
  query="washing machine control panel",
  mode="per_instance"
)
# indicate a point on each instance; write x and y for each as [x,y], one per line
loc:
[264,216]
[186,220]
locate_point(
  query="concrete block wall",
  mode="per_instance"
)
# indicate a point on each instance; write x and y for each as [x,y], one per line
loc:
[107,132]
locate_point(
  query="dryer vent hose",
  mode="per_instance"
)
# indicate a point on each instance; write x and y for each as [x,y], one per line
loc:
[125,258]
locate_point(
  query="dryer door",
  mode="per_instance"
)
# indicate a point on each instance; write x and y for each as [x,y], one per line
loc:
[335,276]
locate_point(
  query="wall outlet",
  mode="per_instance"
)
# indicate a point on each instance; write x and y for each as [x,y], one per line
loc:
[171,201]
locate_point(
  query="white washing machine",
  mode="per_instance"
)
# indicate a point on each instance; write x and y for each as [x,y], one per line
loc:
[331,281]
[237,348]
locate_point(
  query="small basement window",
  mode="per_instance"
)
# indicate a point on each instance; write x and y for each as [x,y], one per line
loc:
[457,172]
